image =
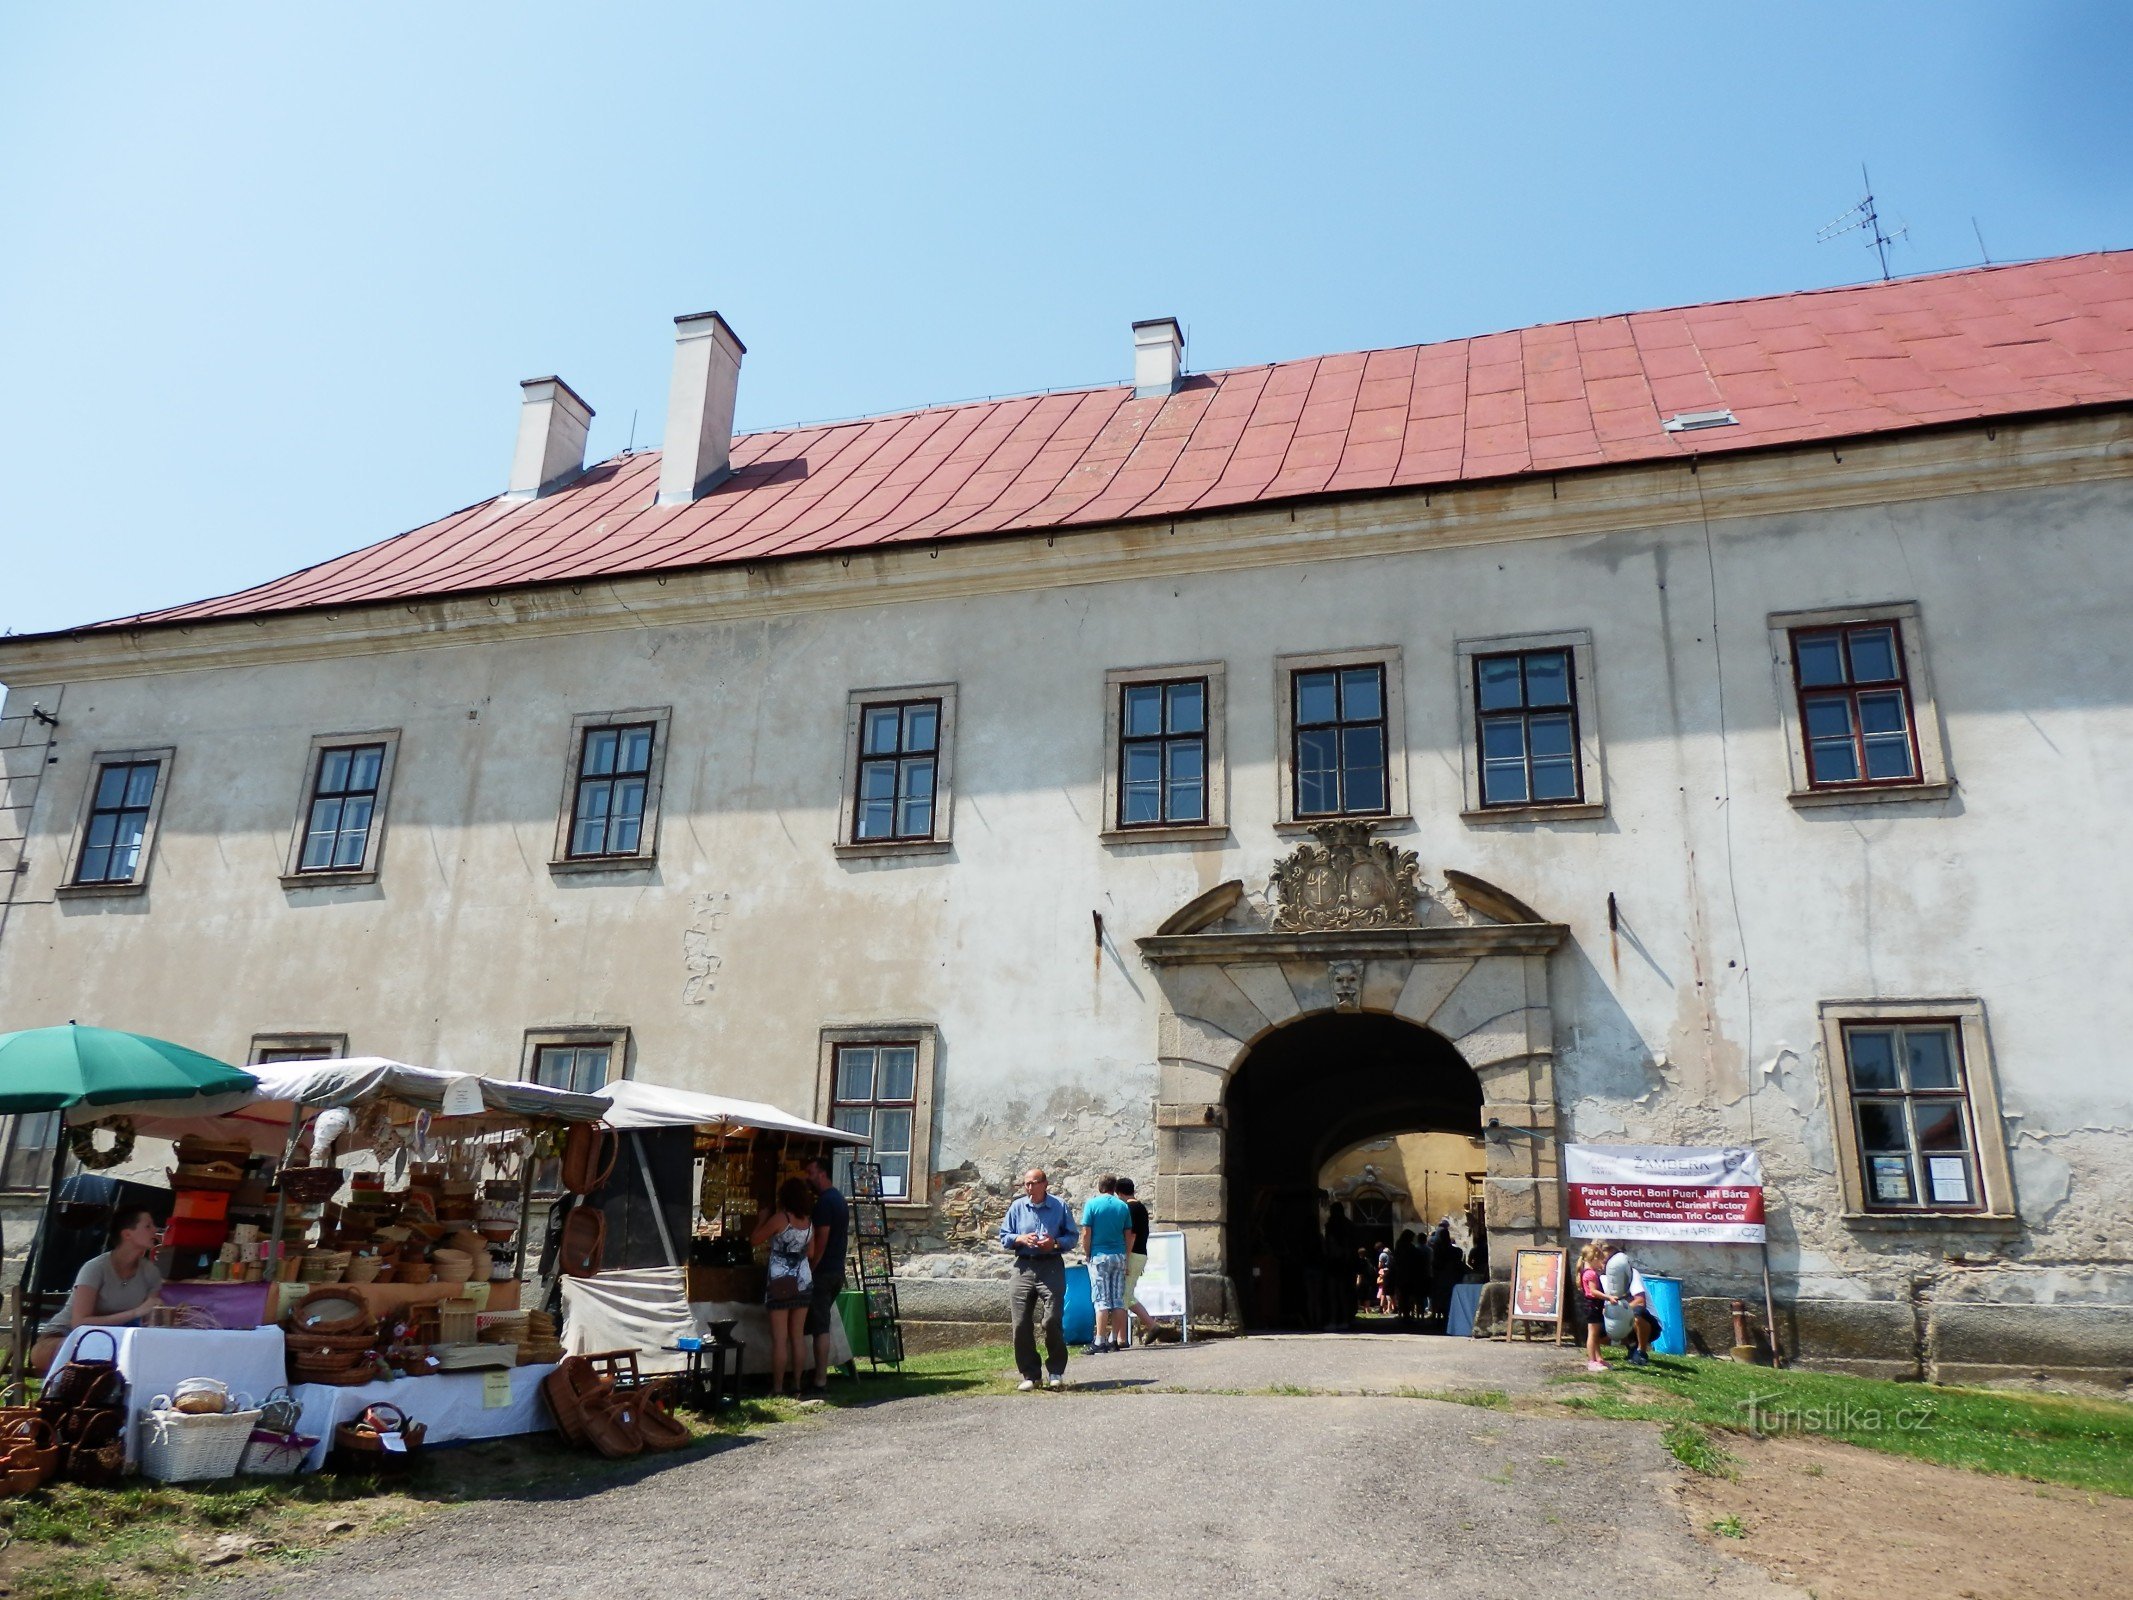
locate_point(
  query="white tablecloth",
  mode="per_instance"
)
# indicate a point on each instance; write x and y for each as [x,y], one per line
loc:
[155,1361]
[644,1310]
[448,1404]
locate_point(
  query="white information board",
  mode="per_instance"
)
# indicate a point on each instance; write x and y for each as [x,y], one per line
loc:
[1162,1287]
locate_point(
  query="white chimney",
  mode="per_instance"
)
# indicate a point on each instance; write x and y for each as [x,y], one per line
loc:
[552,420]
[1158,356]
[699,442]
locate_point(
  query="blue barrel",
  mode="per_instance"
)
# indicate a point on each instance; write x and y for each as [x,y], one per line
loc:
[1081,1307]
[1663,1295]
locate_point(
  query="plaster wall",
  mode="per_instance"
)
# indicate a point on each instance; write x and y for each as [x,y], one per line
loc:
[1695,1022]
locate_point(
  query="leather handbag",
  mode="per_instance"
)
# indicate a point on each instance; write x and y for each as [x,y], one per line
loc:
[590,1150]
[584,1242]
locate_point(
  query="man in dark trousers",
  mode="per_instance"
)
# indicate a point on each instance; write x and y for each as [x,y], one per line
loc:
[1038,1228]
[833,1221]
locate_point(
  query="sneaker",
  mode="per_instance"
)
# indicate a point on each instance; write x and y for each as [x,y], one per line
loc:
[1056,1381]
[1637,1358]
[1026,1385]
[1595,1366]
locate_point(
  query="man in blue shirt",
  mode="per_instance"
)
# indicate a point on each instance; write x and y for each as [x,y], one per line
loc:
[1038,1228]
[1106,1228]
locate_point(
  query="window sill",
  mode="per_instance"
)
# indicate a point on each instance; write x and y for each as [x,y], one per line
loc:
[906,1210]
[1570,811]
[893,847]
[97,891]
[1893,794]
[1192,831]
[1291,825]
[573,866]
[1932,1222]
[326,880]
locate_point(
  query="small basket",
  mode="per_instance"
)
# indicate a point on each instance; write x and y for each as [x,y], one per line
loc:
[361,1443]
[326,1266]
[458,1322]
[176,1448]
[268,1454]
[364,1269]
[310,1185]
[411,1272]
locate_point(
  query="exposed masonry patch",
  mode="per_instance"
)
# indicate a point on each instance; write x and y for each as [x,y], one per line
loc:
[707,918]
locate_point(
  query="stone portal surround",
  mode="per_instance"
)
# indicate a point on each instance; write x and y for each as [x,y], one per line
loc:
[1483,988]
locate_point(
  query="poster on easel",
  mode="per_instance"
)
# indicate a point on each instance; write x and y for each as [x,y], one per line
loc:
[1537,1290]
[1163,1284]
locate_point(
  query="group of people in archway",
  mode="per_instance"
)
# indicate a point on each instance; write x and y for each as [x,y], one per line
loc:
[1409,1278]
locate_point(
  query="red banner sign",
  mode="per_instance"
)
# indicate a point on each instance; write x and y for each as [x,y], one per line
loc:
[1655,1192]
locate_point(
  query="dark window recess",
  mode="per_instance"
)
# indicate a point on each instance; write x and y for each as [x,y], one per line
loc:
[344,803]
[303,1052]
[1162,753]
[581,1068]
[118,821]
[1911,1109]
[614,773]
[29,1150]
[1340,742]
[899,749]
[1526,716]
[875,1094]
[1855,705]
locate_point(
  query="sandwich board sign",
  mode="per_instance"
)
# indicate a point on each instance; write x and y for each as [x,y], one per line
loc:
[1165,1283]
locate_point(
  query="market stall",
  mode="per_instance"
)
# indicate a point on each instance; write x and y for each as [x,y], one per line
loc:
[367,1218]
[688,1269]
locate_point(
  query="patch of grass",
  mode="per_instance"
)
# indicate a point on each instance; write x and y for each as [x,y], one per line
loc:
[2084,1443]
[1293,1389]
[1689,1444]
[1730,1527]
[1487,1399]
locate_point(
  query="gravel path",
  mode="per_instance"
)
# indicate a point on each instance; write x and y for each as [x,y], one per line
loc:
[1229,1494]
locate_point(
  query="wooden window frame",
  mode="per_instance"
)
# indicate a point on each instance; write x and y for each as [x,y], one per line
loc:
[165,756]
[1286,667]
[1213,675]
[857,703]
[1592,771]
[926,1036]
[547,1175]
[1934,779]
[283,1047]
[294,875]
[40,1180]
[561,863]
[1994,1205]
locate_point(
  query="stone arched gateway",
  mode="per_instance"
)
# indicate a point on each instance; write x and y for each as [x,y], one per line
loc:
[1351,929]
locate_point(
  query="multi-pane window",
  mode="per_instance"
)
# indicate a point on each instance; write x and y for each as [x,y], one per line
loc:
[1340,741]
[29,1150]
[580,1068]
[1162,753]
[1911,1114]
[1525,713]
[614,777]
[874,1093]
[118,822]
[344,804]
[899,752]
[1855,705]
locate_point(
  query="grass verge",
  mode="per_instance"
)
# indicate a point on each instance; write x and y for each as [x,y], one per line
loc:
[2084,1443]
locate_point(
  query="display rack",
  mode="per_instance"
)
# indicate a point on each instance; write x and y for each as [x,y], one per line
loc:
[877,1265]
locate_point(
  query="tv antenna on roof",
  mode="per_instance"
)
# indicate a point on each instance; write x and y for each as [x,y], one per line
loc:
[1865,218]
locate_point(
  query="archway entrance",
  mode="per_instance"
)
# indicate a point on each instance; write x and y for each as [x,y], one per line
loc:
[1300,1096]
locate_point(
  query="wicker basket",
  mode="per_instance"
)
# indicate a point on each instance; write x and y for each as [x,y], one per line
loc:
[359,1444]
[414,1272]
[364,1269]
[310,1185]
[176,1448]
[274,1455]
[326,1266]
[458,1322]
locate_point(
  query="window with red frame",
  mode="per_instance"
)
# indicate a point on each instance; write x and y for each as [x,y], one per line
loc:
[1855,705]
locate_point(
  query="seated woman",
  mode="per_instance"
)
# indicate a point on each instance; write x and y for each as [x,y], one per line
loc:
[120,1286]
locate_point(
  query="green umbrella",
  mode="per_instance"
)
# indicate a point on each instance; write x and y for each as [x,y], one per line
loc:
[46,1069]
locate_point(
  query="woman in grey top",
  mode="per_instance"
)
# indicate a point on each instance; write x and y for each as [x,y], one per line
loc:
[120,1286]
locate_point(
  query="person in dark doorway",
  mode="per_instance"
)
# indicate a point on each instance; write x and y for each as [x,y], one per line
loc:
[1409,1281]
[1384,1280]
[1038,1228]
[832,1221]
[1446,1268]
[1136,1263]
[1340,1267]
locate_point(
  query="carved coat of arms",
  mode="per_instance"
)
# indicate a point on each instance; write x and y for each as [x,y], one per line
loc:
[1346,880]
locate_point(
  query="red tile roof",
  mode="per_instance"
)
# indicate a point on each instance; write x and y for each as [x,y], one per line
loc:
[1828,364]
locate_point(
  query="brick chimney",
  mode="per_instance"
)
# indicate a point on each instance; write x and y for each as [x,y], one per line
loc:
[699,442]
[552,420]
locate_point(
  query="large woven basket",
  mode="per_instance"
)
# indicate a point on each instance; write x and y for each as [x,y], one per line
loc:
[176,1448]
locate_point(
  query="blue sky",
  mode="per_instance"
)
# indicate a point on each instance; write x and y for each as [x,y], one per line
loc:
[270,275]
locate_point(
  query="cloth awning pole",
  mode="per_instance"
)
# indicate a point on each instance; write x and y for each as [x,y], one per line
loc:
[1770,1316]
[281,1198]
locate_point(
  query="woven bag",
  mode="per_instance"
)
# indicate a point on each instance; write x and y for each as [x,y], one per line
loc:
[83,1384]
[590,1150]
[584,1242]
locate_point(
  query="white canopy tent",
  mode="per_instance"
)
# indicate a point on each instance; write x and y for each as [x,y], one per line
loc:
[653,1105]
